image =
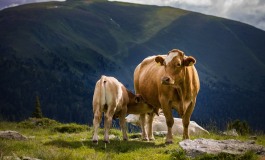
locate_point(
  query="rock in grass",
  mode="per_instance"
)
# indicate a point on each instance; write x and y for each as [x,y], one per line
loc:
[112,136]
[231,132]
[29,158]
[12,135]
[197,147]
[14,157]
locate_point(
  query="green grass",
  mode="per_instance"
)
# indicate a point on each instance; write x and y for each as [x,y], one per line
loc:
[48,143]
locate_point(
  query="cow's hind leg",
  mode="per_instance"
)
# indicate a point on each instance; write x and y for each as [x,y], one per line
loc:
[150,126]
[96,122]
[143,123]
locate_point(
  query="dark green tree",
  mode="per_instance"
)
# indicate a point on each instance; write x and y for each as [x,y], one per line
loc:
[37,112]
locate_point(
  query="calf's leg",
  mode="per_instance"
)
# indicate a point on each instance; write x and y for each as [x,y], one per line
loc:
[107,123]
[123,128]
[123,125]
[96,122]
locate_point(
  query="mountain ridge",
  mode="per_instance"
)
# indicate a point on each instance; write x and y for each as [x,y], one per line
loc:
[59,50]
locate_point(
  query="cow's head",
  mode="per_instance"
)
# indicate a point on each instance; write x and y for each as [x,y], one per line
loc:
[174,64]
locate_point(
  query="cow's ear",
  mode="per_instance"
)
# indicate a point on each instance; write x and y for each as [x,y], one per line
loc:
[189,61]
[138,98]
[160,60]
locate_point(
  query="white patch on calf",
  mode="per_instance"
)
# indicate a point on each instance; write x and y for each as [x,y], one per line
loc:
[119,95]
[170,57]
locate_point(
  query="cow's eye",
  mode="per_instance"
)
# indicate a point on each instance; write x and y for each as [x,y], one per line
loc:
[178,65]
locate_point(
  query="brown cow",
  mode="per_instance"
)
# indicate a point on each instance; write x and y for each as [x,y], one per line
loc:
[170,82]
[111,97]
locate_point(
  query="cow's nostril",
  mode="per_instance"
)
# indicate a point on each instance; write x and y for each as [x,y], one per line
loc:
[165,79]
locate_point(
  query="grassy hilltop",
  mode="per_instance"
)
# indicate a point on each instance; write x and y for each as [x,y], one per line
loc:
[49,139]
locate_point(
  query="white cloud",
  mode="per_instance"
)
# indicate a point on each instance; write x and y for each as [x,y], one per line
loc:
[12,3]
[246,11]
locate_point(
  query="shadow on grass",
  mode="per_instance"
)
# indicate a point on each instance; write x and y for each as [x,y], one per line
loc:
[115,146]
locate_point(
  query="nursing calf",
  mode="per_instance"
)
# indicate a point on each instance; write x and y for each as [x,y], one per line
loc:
[112,98]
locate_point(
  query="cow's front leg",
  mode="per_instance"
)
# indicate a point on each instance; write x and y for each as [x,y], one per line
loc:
[170,121]
[142,123]
[186,120]
[150,127]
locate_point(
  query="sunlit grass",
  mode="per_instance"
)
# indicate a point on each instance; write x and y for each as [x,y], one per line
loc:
[47,143]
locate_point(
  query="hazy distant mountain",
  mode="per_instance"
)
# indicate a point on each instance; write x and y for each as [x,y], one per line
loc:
[58,50]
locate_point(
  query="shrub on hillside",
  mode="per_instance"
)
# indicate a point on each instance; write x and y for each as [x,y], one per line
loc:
[240,126]
[38,123]
[70,128]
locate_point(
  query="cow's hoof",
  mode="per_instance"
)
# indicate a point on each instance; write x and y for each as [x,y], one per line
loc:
[145,139]
[169,142]
[186,137]
[152,139]
[95,141]
[105,141]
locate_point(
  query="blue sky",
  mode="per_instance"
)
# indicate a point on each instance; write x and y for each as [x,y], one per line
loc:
[247,11]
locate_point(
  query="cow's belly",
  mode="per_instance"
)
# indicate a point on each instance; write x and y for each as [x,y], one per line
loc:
[177,104]
[149,95]
[148,88]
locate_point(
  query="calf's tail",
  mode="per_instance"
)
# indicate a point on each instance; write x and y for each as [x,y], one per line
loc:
[103,100]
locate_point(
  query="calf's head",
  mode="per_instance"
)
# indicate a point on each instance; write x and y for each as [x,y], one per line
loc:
[174,64]
[138,99]
[135,98]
